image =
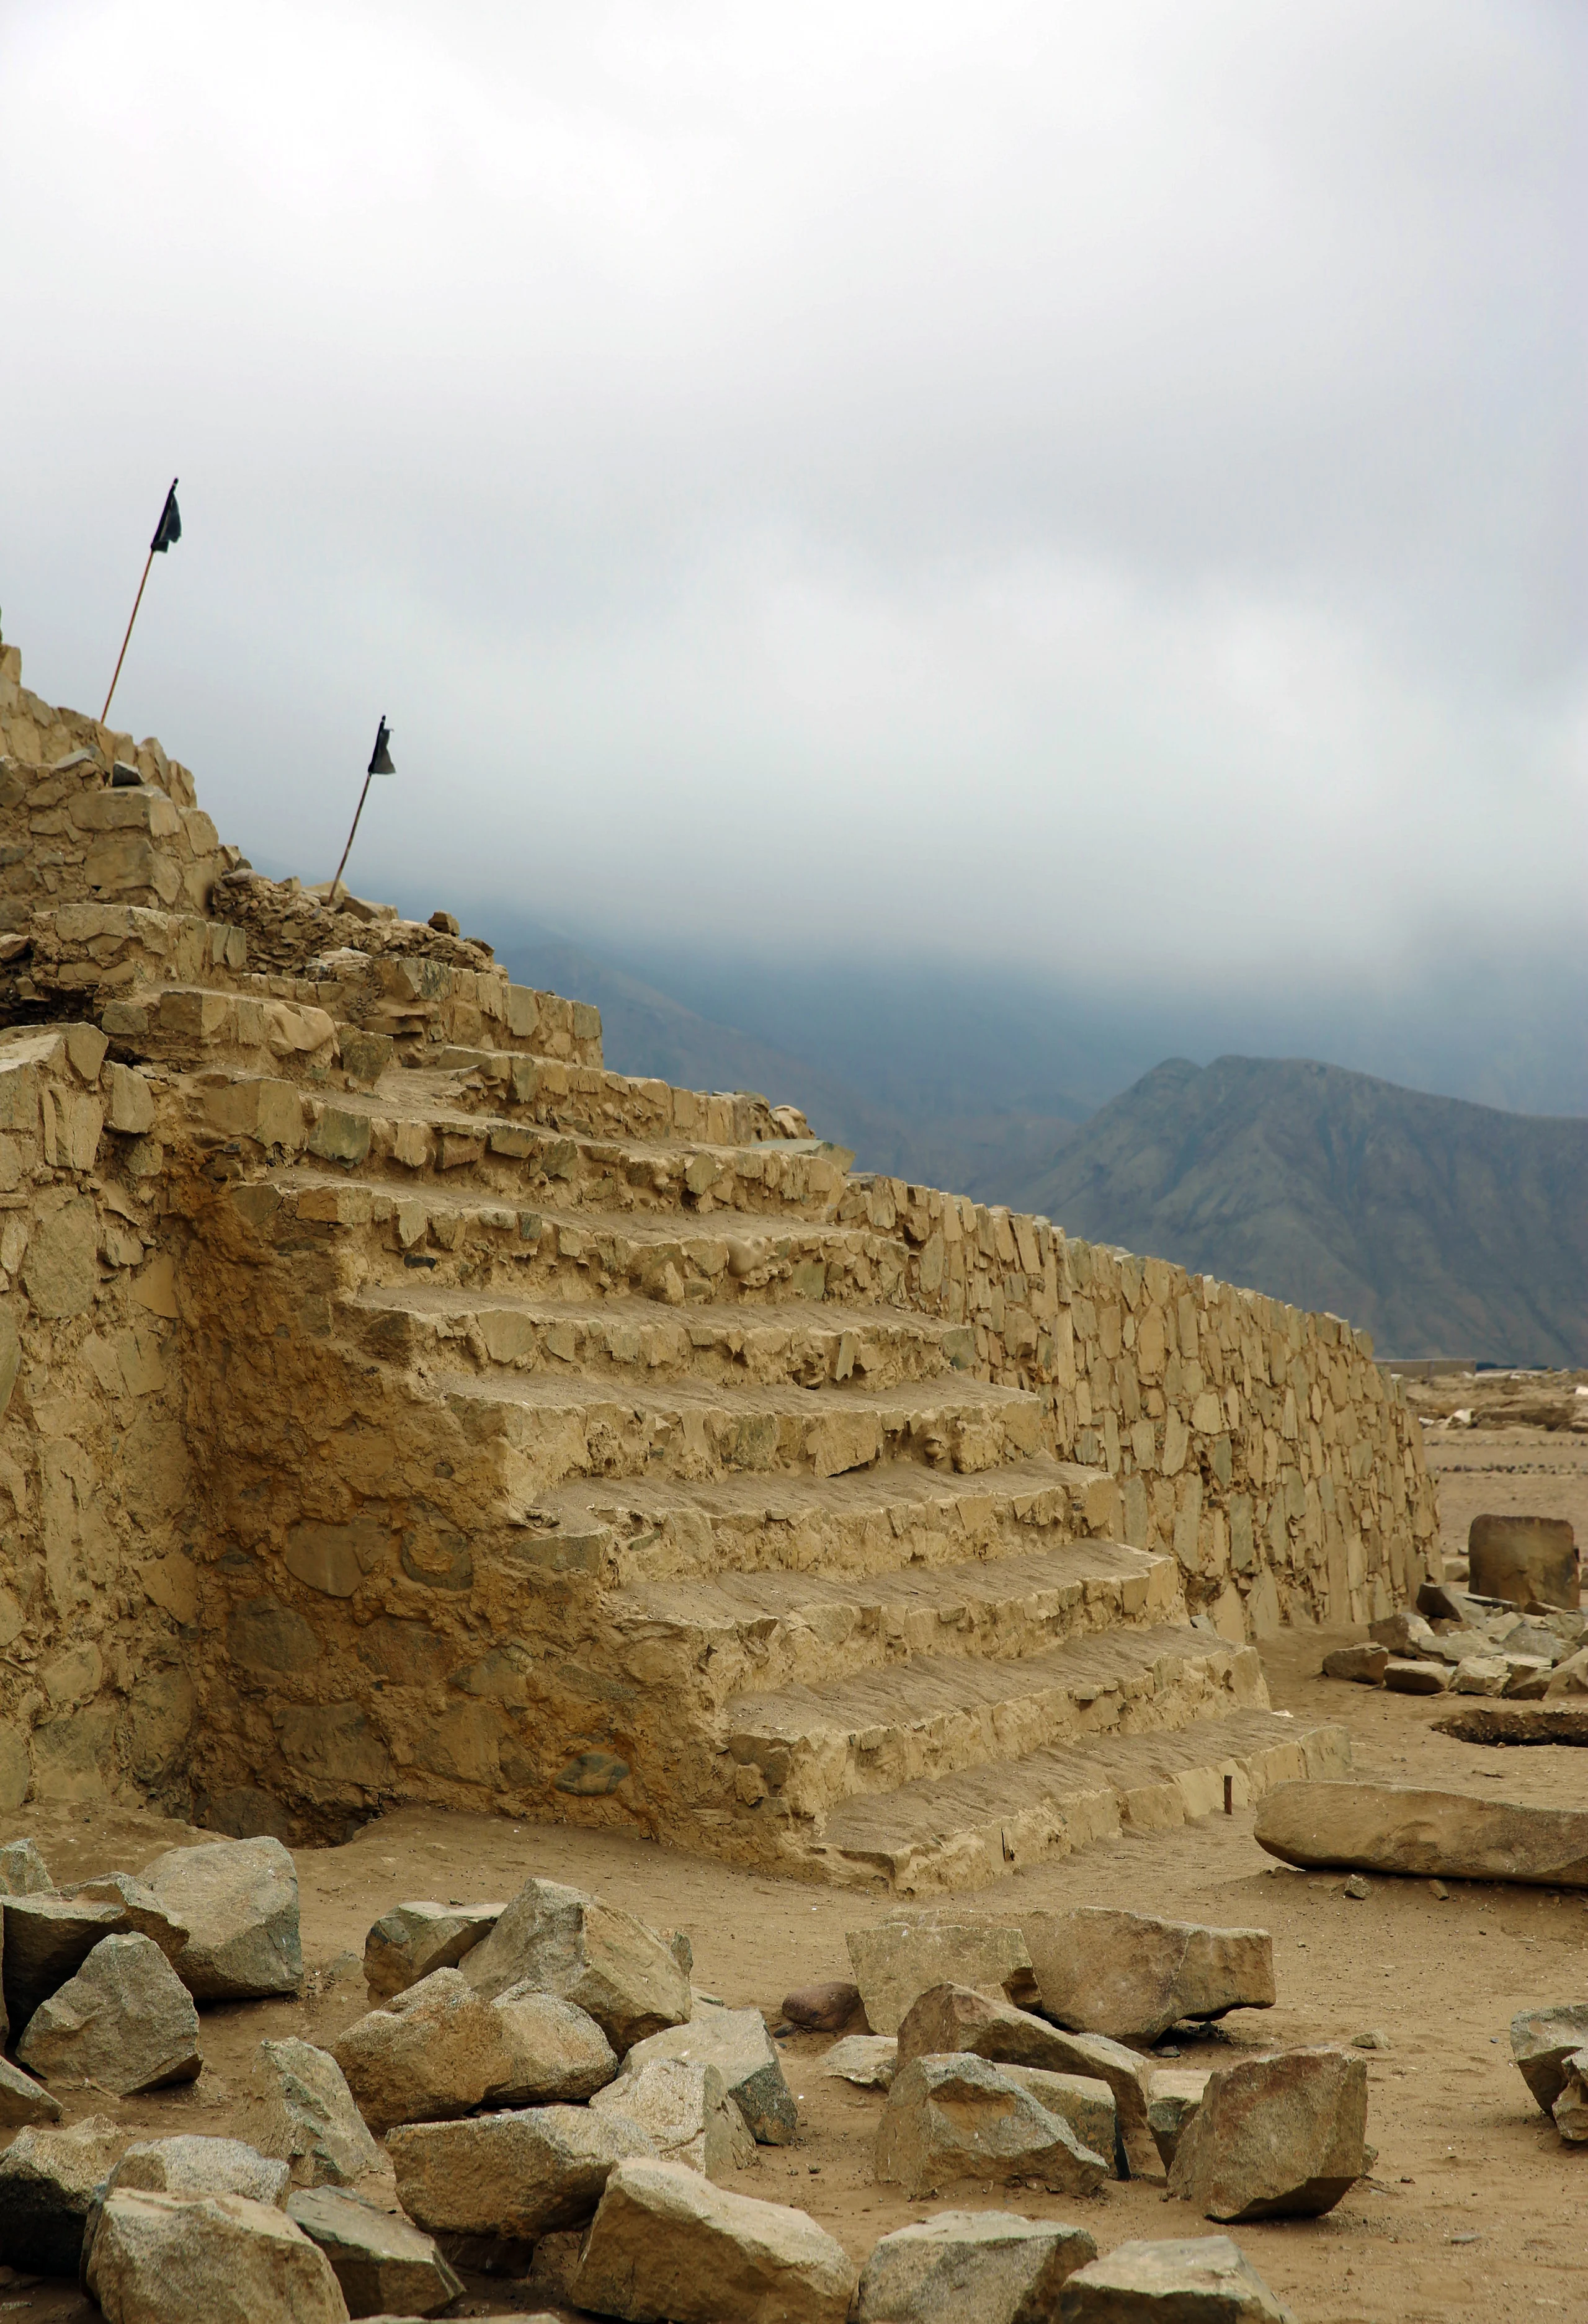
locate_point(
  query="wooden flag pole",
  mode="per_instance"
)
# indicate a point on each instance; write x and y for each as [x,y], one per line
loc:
[121,656]
[347,850]
[380,763]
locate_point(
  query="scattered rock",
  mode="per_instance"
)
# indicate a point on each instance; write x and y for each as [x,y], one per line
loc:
[384,2265]
[1570,2108]
[737,2043]
[1556,1722]
[1397,1828]
[23,1871]
[46,1940]
[1541,2042]
[517,2174]
[201,2166]
[666,2242]
[1372,2041]
[47,2182]
[22,2099]
[142,1913]
[868,2059]
[1406,1636]
[1201,2280]
[1276,2137]
[825,2008]
[1079,2099]
[1482,1675]
[1355,1888]
[125,2021]
[310,2120]
[208,2259]
[440,2050]
[558,1941]
[1570,1677]
[239,1899]
[895,1961]
[1364,1664]
[961,2117]
[408,1941]
[1174,2096]
[685,2111]
[1526,1560]
[1131,1976]
[970,2267]
[1416,1677]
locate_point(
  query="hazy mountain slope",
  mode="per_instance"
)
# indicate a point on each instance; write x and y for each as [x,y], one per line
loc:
[1439,1225]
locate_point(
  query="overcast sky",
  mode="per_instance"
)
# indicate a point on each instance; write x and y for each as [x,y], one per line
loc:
[1072,485]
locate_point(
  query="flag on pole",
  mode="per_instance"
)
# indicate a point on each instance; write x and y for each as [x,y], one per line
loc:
[170,528]
[380,757]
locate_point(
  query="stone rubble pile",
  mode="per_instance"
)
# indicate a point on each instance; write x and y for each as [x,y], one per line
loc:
[1463,1642]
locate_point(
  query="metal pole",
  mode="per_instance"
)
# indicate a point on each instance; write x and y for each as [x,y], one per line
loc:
[121,656]
[347,850]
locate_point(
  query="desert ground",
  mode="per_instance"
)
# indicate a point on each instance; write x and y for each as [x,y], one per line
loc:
[1473,2206]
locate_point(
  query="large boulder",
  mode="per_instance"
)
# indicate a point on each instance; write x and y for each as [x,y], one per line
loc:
[1396,1828]
[952,2017]
[1531,1561]
[1199,2280]
[47,2182]
[46,1940]
[685,2111]
[208,2259]
[970,2267]
[1131,1976]
[23,2099]
[189,2165]
[310,2120]
[665,2242]
[384,2266]
[895,1962]
[737,2043]
[1274,2138]
[125,2021]
[961,2118]
[1542,2040]
[239,1900]
[518,2174]
[410,1940]
[441,2050]
[142,1910]
[558,1941]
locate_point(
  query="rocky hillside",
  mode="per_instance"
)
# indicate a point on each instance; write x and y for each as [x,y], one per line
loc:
[1437,1224]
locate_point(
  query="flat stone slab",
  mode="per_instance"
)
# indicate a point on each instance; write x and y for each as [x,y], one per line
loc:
[519,2174]
[1365,1664]
[1424,1834]
[1530,1560]
[1521,1722]
[1197,2279]
[1405,1677]
[869,2060]
[895,1962]
[970,2267]
[385,2264]
[666,2242]
[1131,1976]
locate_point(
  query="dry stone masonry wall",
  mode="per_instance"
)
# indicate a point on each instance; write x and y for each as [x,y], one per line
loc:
[398,1403]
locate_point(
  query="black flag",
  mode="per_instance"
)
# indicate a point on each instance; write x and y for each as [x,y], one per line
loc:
[380,759]
[169,527]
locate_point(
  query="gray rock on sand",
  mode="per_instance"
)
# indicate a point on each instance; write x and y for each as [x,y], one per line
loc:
[310,2120]
[737,2043]
[1198,2279]
[1568,1678]
[1277,2137]
[46,1940]
[23,2099]
[955,2119]
[142,1913]
[895,1962]
[1541,2042]
[410,1940]
[1365,1664]
[188,2165]
[1396,1828]
[1570,2109]
[666,2242]
[1402,1676]
[23,1871]
[440,2050]
[684,2110]
[125,2021]
[519,2174]
[208,2259]
[47,2182]
[239,1899]
[385,2264]
[869,2060]
[559,1941]
[970,2267]
[1132,1976]
[952,2017]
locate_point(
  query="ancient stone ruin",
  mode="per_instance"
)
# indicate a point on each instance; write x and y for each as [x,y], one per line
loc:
[399,1405]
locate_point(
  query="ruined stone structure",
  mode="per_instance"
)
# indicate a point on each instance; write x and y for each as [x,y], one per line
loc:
[400,1405]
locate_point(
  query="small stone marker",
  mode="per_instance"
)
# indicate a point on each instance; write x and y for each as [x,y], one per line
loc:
[1277,2137]
[1171,2282]
[961,2118]
[1131,1976]
[239,1900]
[385,2264]
[1526,1559]
[666,2242]
[895,1961]
[310,2120]
[1397,1828]
[970,2267]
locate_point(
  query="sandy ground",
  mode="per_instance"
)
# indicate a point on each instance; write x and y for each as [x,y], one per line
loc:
[1474,2206]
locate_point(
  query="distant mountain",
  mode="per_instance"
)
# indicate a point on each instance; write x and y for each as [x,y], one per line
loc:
[1442,1226]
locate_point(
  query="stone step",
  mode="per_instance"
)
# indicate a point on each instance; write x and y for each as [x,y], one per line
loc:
[972,1827]
[935,1715]
[649,1530]
[601,1101]
[552,1429]
[717,1638]
[499,1243]
[622,1338]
